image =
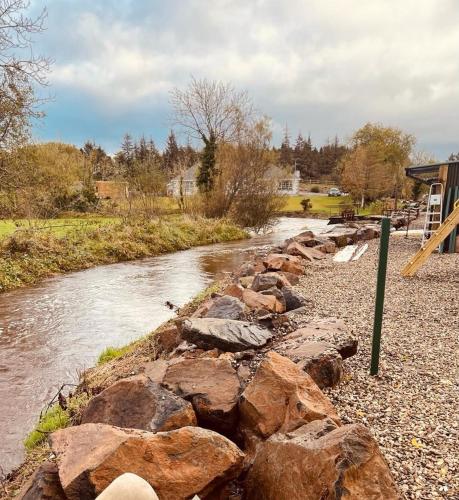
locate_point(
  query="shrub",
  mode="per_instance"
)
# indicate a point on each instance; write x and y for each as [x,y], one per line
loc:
[315,189]
[306,204]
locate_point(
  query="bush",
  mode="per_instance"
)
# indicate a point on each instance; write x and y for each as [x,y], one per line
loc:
[306,204]
[315,189]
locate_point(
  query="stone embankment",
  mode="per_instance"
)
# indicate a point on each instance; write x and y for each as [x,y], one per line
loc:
[230,404]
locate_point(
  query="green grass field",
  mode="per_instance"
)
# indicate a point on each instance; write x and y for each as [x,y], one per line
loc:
[59,227]
[321,204]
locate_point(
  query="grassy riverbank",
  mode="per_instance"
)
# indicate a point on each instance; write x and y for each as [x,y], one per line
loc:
[28,256]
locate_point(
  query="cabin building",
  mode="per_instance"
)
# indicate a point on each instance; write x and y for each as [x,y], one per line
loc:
[287,181]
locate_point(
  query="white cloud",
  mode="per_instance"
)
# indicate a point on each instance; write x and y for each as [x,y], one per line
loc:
[322,65]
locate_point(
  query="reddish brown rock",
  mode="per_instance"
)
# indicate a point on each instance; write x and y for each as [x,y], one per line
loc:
[328,246]
[257,301]
[246,281]
[250,269]
[212,386]
[331,331]
[317,464]
[281,398]
[282,262]
[311,254]
[177,464]
[293,279]
[304,237]
[320,360]
[155,370]
[234,290]
[203,308]
[43,485]
[342,236]
[167,340]
[139,403]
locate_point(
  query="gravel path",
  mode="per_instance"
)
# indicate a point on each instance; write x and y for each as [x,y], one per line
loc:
[412,407]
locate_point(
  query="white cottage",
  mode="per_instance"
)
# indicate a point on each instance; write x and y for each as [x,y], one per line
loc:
[287,181]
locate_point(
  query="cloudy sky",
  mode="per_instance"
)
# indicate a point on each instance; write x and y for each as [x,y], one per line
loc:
[324,67]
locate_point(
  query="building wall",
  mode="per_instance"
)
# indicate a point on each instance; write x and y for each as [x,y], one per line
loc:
[112,190]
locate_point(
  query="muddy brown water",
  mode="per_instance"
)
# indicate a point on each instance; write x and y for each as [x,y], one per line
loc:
[52,331]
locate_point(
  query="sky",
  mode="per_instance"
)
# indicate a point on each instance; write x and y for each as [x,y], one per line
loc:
[323,67]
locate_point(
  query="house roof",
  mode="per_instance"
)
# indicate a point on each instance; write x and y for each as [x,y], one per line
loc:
[189,174]
[274,171]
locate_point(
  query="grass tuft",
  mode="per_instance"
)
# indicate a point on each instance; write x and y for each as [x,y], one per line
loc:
[110,353]
[55,418]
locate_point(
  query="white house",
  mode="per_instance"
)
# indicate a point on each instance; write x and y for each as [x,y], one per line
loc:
[286,179]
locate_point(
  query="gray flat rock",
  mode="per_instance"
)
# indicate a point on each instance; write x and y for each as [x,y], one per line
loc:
[224,334]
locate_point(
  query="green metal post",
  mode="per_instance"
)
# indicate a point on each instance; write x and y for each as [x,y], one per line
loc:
[380,289]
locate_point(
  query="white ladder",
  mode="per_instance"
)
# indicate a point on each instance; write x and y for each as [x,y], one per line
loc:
[434,213]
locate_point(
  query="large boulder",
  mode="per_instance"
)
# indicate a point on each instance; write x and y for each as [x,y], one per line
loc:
[264,281]
[293,279]
[177,464]
[139,403]
[304,237]
[311,254]
[368,232]
[276,292]
[258,301]
[327,246]
[167,339]
[44,484]
[224,334]
[226,307]
[213,387]
[331,331]
[320,360]
[342,236]
[234,290]
[282,262]
[318,462]
[250,268]
[293,299]
[281,398]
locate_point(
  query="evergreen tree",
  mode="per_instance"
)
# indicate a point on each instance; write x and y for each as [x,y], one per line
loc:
[286,153]
[171,154]
[207,169]
[141,153]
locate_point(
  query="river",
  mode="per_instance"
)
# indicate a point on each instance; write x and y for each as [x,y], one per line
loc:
[52,331]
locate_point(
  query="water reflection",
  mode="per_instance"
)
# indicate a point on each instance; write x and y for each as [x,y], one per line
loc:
[53,330]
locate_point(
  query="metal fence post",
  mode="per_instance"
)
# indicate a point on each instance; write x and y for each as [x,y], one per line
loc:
[380,289]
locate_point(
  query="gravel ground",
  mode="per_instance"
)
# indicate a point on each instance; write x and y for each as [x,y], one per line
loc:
[412,407]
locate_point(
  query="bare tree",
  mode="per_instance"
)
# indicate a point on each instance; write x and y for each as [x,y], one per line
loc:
[213,112]
[20,71]
[208,109]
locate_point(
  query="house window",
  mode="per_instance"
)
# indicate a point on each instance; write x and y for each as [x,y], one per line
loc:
[189,187]
[286,185]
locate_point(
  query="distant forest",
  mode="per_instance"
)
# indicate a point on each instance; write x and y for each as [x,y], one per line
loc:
[313,162]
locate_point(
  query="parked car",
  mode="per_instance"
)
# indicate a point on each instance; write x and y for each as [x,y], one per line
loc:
[334,192]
